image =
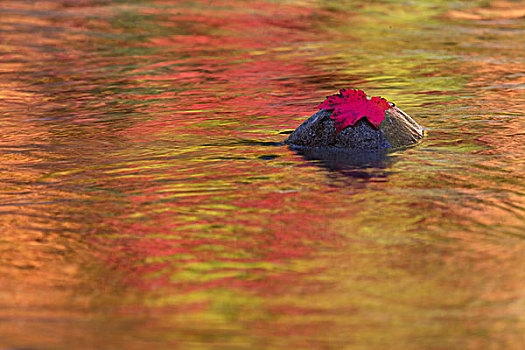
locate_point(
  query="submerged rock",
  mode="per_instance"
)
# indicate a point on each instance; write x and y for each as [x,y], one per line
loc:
[397,130]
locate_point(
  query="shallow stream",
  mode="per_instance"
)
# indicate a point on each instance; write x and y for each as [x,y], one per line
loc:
[147,200]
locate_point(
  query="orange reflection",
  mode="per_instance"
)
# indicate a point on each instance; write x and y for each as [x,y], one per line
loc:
[496,10]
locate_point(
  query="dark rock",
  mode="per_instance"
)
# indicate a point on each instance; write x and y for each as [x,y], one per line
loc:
[397,130]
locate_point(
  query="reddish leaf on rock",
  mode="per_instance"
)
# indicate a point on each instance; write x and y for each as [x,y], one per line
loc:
[351,105]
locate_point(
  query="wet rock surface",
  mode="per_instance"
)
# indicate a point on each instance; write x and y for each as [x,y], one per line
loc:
[397,130]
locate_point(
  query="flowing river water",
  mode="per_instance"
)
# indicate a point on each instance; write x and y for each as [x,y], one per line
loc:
[147,200]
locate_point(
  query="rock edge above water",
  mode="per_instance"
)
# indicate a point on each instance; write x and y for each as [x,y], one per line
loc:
[397,130]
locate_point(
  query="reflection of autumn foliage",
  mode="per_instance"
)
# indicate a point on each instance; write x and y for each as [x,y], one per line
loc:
[144,137]
[209,237]
[487,139]
[495,72]
[230,60]
[498,9]
[226,61]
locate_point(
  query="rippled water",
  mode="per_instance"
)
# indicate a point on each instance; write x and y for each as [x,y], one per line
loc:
[147,200]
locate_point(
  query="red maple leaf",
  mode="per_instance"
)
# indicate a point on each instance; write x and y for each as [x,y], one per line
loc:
[351,105]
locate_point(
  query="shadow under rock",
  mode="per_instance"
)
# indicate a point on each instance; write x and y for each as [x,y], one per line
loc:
[363,164]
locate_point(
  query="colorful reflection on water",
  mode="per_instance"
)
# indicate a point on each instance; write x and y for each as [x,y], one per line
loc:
[147,200]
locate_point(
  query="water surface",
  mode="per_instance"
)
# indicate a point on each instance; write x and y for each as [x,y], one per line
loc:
[147,200]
